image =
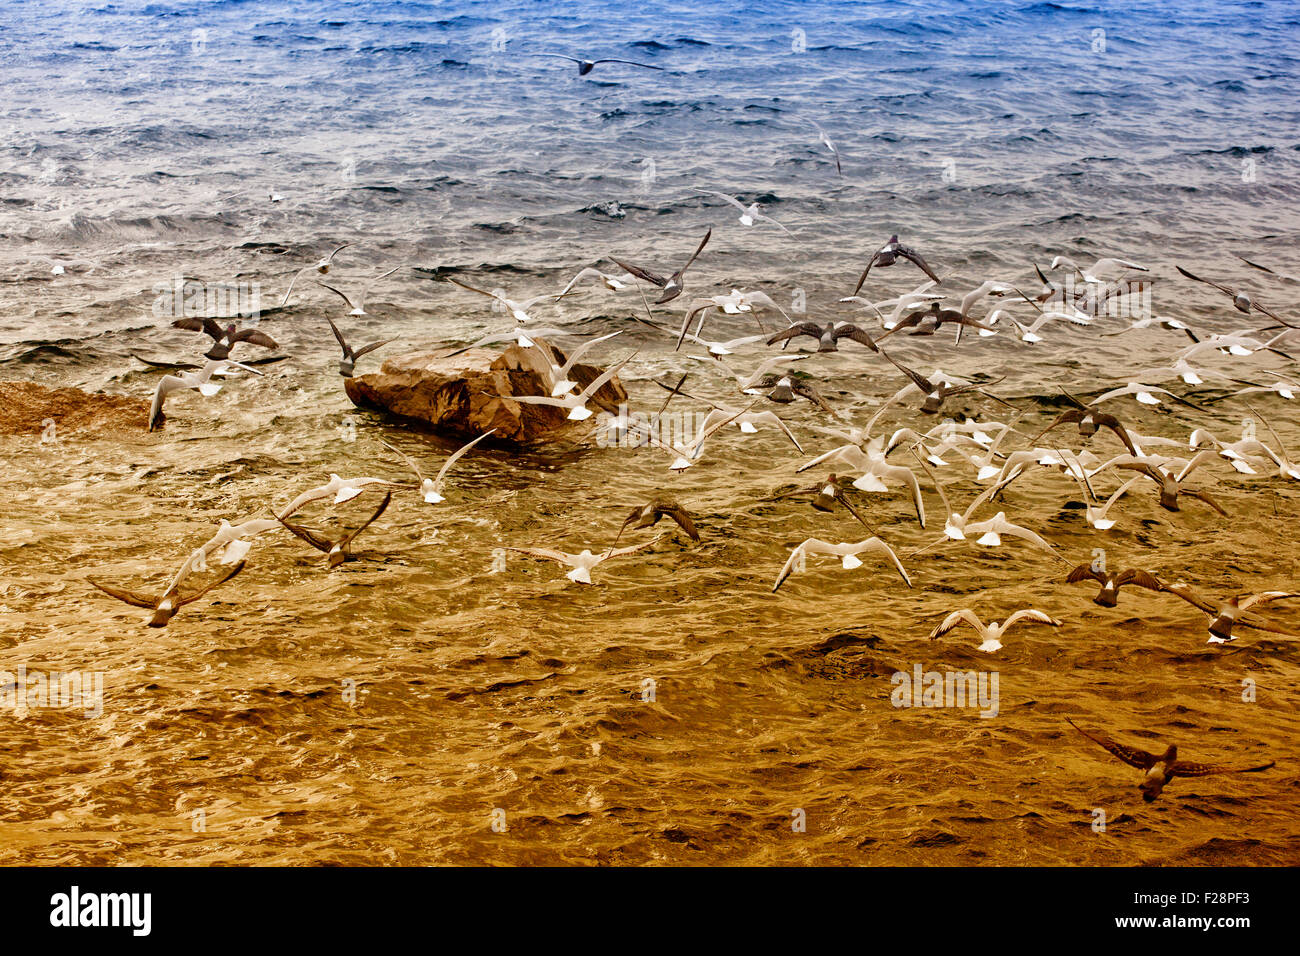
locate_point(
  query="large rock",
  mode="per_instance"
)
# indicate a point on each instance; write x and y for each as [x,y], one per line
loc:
[53,413]
[458,394]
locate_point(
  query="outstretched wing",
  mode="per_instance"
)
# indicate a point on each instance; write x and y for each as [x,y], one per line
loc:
[181,602]
[1183,769]
[130,597]
[365,350]
[338,337]
[956,619]
[254,337]
[1085,572]
[694,255]
[682,517]
[351,535]
[1130,755]
[1030,616]
[1143,579]
[915,257]
[319,542]
[644,274]
[918,380]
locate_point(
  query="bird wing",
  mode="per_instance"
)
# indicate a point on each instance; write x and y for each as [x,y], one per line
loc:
[878,546]
[1030,616]
[644,66]
[1265,597]
[698,249]
[1130,755]
[918,380]
[130,597]
[1205,496]
[205,325]
[631,549]
[338,337]
[796,330]
[348,299]
[317,541]
[682,517]
[788,568]
[856,334]
[1084,572]
[915,257]
[955,620]
[351,535]
[455,456]
[644,274]
[181,602]
[1182,768]
[1178,589]
[1142,579]
[1221,288]
[366,349]
[254,337]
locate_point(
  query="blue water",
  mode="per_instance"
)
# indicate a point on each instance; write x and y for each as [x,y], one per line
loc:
[145,138]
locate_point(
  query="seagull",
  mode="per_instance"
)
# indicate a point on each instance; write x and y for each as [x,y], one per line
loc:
[200,380]
[1160,771]
[524,337]
[958,526]
[342,489]
[940,318]
[575,402]
[431,488]
[322,266]
[1240,454]
[1233,343]
[1030,333]
[1163,321]
[1097,516]
[875,471]
[827,335]
[356,305]
[586,66]
[347,364]
[559,374]
[232,540]
[1089,421]
[687,455]
[613,283]
[1256,265]
[585,562]
[748,214]
[918,296]
[673,285]
[1224,617]
[165,606]
[748,422]
[224,339]
[749,383]
[1111,582]
[938,388]
[517,309]
[990,634]
[719,348]
[660,506]
[825,496]
[1102,271]
[337,550]
[1145,394]
[847,552]
[1241,301]
[1171,485]
[826,141]
[733,303]
[888,254]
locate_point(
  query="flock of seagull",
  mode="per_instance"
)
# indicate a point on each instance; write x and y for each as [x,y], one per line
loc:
[866,460]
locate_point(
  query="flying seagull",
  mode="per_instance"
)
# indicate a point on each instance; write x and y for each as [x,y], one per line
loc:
[337,550]
[582,564]
[748,214]
[648,515]
[827,335]
[165,607]
[224,339]
[672,286]
[890,253]
[1111,582]
[847,552]
[1224,617]
[347,364]
[431,488]
[357,305]
[586,66]
[991,633]
[200,380]
[1161,770]
[1241,301]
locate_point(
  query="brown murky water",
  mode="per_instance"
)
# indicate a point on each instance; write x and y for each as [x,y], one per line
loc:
[674,712]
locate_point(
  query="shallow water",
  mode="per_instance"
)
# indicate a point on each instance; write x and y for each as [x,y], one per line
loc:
[138,150]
